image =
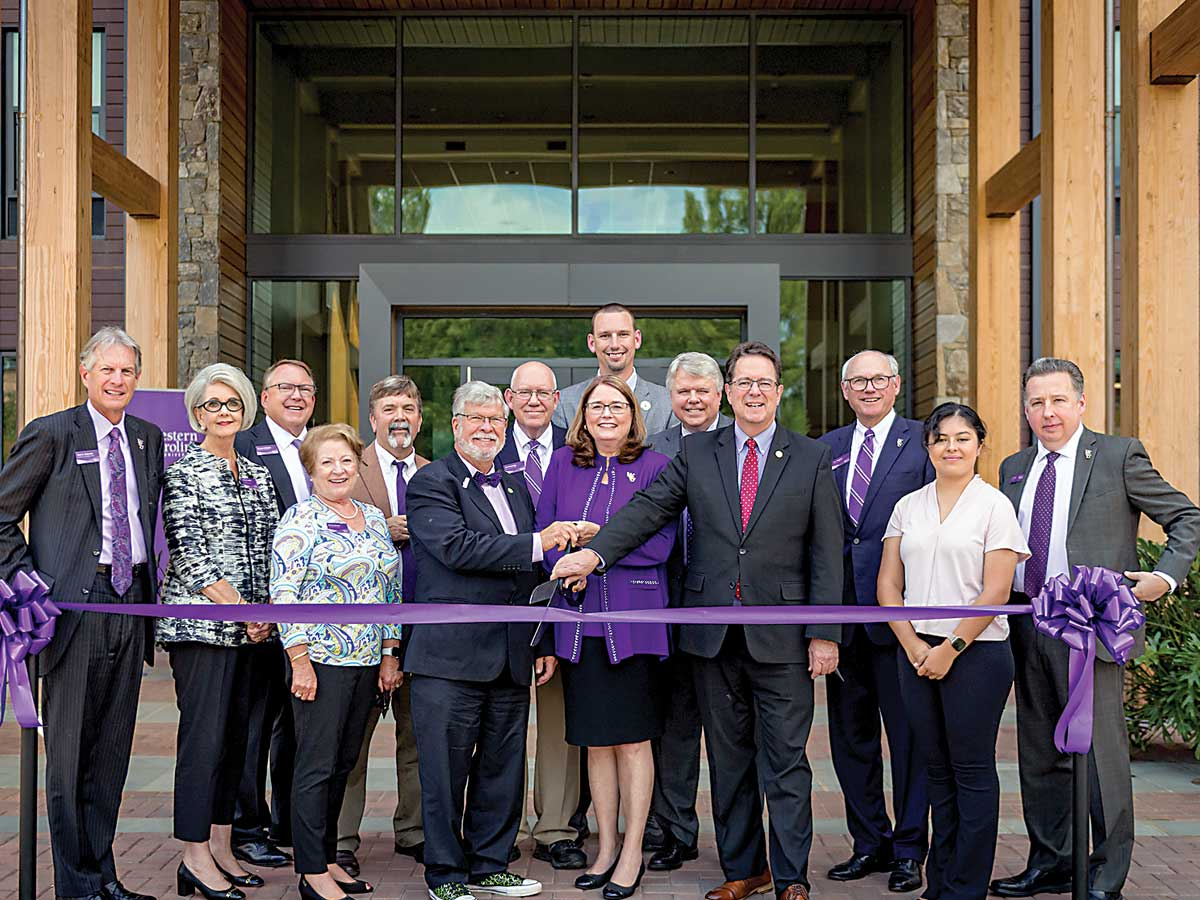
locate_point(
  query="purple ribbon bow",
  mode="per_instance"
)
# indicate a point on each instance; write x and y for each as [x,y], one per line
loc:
[1077,609]
[26,626]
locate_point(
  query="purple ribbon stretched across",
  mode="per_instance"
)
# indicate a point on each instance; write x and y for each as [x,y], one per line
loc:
[1089,604]
[26,626]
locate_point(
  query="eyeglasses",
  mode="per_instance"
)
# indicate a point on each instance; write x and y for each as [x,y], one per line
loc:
[524,395]
[766,385]
[616,408]
[879,382]
[213,405]
[475,421]
[286,388]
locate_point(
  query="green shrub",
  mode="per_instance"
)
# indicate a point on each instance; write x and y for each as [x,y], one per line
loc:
[1163,685]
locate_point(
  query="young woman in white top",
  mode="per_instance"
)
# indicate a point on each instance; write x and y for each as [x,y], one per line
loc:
[955,542]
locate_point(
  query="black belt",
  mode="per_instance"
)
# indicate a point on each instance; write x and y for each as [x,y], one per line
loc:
[106,570]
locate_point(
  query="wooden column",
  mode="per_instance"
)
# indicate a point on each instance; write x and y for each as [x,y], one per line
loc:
[56,304]
[995,243]
[1160,251]
[152,143]
[1074,322]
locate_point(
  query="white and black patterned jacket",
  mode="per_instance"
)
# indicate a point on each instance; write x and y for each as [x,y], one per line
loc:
[216,526]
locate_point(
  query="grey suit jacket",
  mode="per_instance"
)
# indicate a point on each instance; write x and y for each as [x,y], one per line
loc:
[1114,484]
[652,398]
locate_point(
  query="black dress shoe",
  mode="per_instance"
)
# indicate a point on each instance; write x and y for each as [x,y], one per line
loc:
[614,891]
[261,853]
[673,855]
[101,894]
[655,837]
[1032,881]
[514,853]
[1105,895]
[250,880]
[308,892]
[357,886]
[860,865]
[905,877]
[348,861]
[589,881]
[579,822]
[564,854]
[118,891]
[416,851]
[187,884]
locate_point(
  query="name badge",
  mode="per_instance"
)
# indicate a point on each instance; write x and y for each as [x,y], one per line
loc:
[266,449]
[513,468]
[339,527]
[841,461]
[83,457]
[250,484]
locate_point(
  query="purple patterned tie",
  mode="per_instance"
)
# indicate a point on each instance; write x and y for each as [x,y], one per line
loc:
[307,481]
[533,473]
[121,575]
[862,477]
[1040,521]
[408,562]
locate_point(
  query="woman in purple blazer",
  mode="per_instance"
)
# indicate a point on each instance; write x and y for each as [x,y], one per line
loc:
[611,682]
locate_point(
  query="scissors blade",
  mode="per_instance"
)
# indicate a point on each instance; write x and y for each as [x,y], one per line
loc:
[543,593]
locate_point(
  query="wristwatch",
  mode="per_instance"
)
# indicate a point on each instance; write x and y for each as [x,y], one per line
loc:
[957,643]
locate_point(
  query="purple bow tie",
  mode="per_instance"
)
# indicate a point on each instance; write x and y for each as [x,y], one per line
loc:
[491,480]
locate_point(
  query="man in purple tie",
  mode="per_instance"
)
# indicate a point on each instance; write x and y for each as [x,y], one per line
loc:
[1080,497]
[89,479]
[387,464]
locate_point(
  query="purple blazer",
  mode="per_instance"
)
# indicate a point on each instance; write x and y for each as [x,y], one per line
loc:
[639,581]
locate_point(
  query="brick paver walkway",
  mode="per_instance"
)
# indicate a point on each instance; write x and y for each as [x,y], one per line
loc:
[1166,794]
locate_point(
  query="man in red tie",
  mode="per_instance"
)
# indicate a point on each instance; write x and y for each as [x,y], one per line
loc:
[767,531]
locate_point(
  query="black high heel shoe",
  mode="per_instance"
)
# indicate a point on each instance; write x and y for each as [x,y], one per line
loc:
[248,880]
[187,884]
[308,892]
[614,891]
[589,881]
[357,886]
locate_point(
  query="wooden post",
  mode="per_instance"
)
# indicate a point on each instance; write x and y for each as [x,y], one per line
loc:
[1160,249]
[995,243]
[56,303]
[1074,320]
[152,143]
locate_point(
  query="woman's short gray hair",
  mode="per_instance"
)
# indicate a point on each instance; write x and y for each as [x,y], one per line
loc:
[700,365]
[477,393]
[893,365]
[220,373]
[110,336]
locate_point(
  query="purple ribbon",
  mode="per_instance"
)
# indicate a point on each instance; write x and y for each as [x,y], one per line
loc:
[1092,603]
[26,626]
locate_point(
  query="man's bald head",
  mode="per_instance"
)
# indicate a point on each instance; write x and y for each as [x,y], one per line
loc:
[532,395]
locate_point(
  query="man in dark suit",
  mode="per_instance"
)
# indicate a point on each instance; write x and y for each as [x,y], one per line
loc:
[288,398]
[531,438]
[767,531]
[876,460]
[472,527]
[1079,498]
[694,383]
[89,479]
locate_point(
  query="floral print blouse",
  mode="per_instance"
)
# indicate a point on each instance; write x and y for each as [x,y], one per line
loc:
[319,558]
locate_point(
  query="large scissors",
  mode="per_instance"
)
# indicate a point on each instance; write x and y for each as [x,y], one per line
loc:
[544,593]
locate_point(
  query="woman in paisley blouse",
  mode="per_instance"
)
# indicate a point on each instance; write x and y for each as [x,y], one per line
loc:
[219,515]
[332,549]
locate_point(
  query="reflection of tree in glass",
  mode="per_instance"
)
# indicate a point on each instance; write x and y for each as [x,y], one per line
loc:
[793,354]
[724,211]
[414,208]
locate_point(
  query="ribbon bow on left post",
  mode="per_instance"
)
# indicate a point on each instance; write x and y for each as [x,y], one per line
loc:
[26,626]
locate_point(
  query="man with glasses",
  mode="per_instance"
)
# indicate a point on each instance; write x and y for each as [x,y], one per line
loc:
[288,398]
[767,531]
[615,340]
[876,460]
[533,396]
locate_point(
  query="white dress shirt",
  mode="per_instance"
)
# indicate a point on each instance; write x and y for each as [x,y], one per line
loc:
[499,503]
[290,455]
[387,465]
[137,540]
[856,441]
[762,444]
[684,431]
[545,446]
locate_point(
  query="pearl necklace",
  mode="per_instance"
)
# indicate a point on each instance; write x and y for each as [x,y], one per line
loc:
[327,505]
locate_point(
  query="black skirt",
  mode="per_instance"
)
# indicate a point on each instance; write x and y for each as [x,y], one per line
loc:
[610,704]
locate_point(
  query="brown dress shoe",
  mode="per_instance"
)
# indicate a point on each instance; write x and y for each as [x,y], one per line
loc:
[741,889]
[794,892]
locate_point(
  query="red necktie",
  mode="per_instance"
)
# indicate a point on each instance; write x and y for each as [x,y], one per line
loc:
[749,492]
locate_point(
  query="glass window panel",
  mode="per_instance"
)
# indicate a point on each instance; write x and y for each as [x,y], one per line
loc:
[822,324]
[98,82]
[316,321]
[663,129]
[325,127]
[487,126]
[437,385]
[831,126]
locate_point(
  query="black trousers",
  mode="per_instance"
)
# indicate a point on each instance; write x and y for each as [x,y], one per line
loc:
[470,744]
[270,746]
[869,693]
[677,753]
[758,711]
[329,735]
[89,706]
[212,691]
[956,721]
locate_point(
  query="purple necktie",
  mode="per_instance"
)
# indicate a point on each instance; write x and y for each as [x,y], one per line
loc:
[1040,522]
[121,575]
[533,473]
[408,562]
[307,481]
[862,477]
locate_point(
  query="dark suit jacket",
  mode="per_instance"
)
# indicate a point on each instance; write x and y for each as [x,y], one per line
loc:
[790,554]
[508,453]
[901,467]
[1113,485]
[464,556]
[63,499]
[247,442]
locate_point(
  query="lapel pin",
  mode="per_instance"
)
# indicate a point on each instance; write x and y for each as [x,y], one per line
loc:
[510,490]
[779,454]
[645,404]
[1016,479]
[899,442]
[1087,454]
[466,481]
[142,444]
[631,476]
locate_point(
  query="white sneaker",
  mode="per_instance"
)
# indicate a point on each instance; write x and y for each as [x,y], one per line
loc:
[506,884]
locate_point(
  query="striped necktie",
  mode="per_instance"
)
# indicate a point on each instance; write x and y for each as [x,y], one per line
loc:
[533,472]
[861,481]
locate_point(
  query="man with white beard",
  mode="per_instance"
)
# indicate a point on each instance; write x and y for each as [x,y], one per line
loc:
[388,463]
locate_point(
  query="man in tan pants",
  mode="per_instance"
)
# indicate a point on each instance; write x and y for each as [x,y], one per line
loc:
[387,465]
